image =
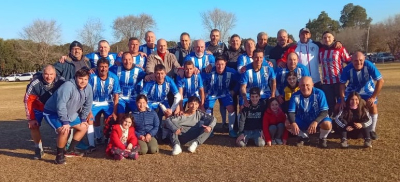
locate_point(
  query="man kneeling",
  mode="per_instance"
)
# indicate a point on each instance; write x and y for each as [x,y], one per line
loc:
[193,125]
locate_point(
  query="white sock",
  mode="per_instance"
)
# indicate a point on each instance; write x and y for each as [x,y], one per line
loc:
[323,133]
[97,132]
[231,119]
[374,118]
[90,135]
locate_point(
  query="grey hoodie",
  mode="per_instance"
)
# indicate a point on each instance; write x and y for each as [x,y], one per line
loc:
[68,102]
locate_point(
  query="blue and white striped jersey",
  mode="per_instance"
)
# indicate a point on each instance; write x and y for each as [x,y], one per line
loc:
[308,109]
[361,81]
[260,79]
[137,60]
[201,63]
[95,56]
[130,81]
[190,85]
[103,90]
[281,73]
[158,93]
[244,60]
[219,85]
[147,50]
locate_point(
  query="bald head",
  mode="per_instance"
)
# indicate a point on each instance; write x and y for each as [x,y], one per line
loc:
[199,47]
[358,60]
[306,86]
[162,45]
[292,61]
[49,73]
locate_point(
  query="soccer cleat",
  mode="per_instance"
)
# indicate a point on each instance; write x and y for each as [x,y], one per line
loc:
[374,136]
[279,141]
[367,143]
[176,150]
[39,153]
[192,147]
[60,159]
[73,153]
[233,134]
[323,143]
[343,143]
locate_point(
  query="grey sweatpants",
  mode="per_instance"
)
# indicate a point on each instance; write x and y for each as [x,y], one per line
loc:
[195,133]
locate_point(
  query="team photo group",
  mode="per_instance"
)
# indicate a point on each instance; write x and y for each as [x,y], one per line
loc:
[131,101]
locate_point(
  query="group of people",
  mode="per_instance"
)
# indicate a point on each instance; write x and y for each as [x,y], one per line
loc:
[153,93]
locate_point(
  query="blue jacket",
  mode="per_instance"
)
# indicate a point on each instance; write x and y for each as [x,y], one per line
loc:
[68,100]
[146,122]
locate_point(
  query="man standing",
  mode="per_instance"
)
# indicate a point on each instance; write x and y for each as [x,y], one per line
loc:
[281,47]
[192,125]
[74,62]
[234,51]
[150,45]
[247,57]
[37,93]
[308,110]
[331,60]
[202,60]
[258,75]
[130,81]
[360,75]
[106,89]
[218,85]
[138,59]
[67,108]
[262,44]
[183,49]
[215,46]
[103,52]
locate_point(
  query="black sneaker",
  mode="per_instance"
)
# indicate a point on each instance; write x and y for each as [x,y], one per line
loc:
[73,153]
[224,126]
[374,136]
[367,143]
[300,142]
[38,154]
[343,143]
[323,143]
[60,159]
[90,149]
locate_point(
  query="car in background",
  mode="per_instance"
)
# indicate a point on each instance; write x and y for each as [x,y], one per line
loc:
[25,77]
[383,57]
[12,78]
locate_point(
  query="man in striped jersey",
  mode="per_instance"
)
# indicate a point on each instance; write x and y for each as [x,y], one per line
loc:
[214,46]
[202,60]
[150,45]
[37,93]
[138,59]
[106,89]
[130,81]
[360,75]
[331,60]
[281,78]
[218,85]
[157,91]
[257,75]
[246,58]
[103,52]
[190,85]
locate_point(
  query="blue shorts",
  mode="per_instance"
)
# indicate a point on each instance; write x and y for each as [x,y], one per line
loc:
[303,125]
[106,107]
[154,105]
[226,101]
[364,97]
[55,123]
[38,116]
[125,106]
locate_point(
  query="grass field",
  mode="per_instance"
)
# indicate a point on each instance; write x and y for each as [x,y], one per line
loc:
[217,160]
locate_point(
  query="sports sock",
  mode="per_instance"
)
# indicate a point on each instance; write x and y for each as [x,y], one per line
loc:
[39,145]
[222,110]
[73,144]
[374,118]
[231,120]
[90,135]
[323,133]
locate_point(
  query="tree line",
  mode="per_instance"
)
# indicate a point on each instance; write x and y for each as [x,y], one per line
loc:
[39,41]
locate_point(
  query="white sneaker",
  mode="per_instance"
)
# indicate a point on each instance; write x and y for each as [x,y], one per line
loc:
[176,150]
[192,147]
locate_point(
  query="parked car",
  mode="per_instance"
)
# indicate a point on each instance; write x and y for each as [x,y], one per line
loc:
[12,78]
[383,57]
[25,77]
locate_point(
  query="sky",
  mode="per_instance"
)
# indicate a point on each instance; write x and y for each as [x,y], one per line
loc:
[174,17]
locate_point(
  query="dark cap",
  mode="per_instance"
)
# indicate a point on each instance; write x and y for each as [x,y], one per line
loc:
[75,44]
[304,30]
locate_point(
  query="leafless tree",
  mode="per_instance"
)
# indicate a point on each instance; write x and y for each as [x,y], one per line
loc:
[353,38]
[44,32]
[132,26]
[91,32]
[385,35]
[219,19]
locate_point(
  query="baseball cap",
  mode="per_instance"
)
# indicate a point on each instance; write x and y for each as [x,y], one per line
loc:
[304,30]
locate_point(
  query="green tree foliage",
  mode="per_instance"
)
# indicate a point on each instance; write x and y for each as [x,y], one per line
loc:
[272,41]
[354,16]
[322,24]
[171,44]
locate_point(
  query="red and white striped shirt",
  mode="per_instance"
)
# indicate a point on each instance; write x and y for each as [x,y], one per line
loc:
[331,61]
